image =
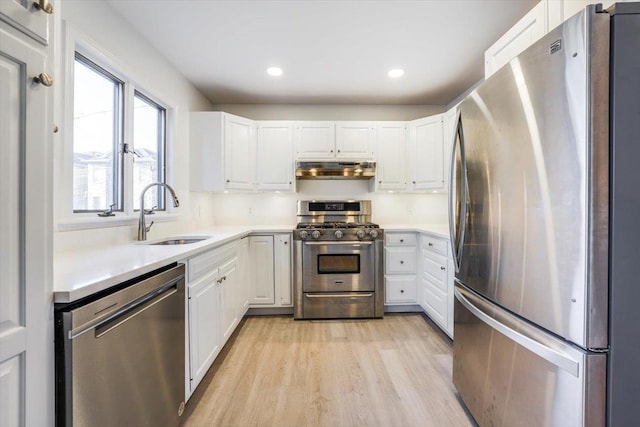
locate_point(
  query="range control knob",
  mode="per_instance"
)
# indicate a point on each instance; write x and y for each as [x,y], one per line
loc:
[373,234]
[339,234]
[315,234]
[303,234]
[360,234]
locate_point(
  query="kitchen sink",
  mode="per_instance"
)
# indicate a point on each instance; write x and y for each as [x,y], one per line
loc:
[179,240]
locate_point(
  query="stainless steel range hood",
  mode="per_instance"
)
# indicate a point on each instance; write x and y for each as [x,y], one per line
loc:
[335,170]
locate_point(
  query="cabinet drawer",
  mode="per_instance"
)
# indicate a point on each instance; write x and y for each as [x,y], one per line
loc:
[400,260]
[435,303]
[435,267]
[205,262]
[400,239]
[436,245]
[400,289]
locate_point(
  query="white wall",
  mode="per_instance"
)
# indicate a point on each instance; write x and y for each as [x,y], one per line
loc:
[103,26]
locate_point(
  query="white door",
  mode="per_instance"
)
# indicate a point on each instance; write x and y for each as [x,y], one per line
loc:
[26,316]
[355,140]
[426,155]
[315,140]
[239,136]
[275,156]
[262,275]
[391,170]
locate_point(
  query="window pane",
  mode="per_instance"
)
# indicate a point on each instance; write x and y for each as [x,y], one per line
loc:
[149,144]
[96,135]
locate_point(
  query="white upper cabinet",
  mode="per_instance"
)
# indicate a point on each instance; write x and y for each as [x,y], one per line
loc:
[315,140]
[30,19]
[391,169]
[239,140]
[335,140]
[522,35]
[544,17]
[275,156]
[355,140]
[425,154]
[222,152]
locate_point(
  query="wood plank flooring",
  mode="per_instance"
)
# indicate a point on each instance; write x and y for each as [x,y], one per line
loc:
[276,371]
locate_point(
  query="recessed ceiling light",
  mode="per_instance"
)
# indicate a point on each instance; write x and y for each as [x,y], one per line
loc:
[274,71]
[395,73]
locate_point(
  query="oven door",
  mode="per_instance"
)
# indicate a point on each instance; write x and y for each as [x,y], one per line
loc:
[338,266]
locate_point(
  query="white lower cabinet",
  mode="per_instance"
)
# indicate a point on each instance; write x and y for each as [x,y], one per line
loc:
[400,267]
[213,306]
[437,281]
[270,270]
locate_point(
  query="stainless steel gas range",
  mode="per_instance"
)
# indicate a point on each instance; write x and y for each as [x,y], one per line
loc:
[338,261]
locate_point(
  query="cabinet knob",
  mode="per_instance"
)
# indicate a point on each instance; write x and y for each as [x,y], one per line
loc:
[289,182]
[338,151]
[430,244]
[401,262]
[379,182]
[331,151]
[414,182]
[286,243]
[402,291]
[228,181]
[442,268]
[44,79]
[44,5]
[401,240]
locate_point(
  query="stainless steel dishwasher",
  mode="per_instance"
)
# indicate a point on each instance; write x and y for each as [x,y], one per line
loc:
[120,356]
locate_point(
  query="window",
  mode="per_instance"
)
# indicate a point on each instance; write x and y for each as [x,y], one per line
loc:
[97,132]
[119,142]
[149,142]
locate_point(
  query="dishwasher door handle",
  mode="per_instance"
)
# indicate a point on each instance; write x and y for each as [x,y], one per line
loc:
[103,326]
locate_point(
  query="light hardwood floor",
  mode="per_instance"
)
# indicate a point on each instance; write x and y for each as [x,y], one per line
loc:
[276,371]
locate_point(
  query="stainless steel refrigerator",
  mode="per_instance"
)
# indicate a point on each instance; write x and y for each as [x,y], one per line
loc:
[544,210]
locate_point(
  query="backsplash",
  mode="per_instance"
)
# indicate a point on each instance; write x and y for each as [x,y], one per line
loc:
[280,208]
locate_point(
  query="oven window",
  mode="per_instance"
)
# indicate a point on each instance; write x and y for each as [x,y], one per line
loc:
[338,264]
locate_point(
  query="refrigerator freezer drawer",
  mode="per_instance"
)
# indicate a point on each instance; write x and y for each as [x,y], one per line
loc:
[510,373]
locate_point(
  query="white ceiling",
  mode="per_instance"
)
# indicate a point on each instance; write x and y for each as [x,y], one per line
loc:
[332,52]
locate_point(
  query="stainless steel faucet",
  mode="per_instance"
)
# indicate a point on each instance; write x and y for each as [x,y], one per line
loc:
[142,227]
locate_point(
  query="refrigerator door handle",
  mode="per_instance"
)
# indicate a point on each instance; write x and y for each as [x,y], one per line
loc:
[454,224]
[551,355]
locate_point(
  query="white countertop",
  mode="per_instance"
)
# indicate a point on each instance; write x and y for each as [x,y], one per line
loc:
[80,274]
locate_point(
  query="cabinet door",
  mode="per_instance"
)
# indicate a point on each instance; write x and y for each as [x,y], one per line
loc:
[239,152]
[26,327]
[435,303]
[522,35]
[355,140]
[204,325]
[275,156]
[426,153]
[400,260]
[315,140]
[282,268]
[30,20]
[244,277]
[261,266]
[228,278]
[391,170]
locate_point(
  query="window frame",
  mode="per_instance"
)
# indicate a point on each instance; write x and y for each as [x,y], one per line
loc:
[66,217]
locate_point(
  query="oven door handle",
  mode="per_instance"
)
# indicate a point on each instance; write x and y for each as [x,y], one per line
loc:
[333,243]
[341,295]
